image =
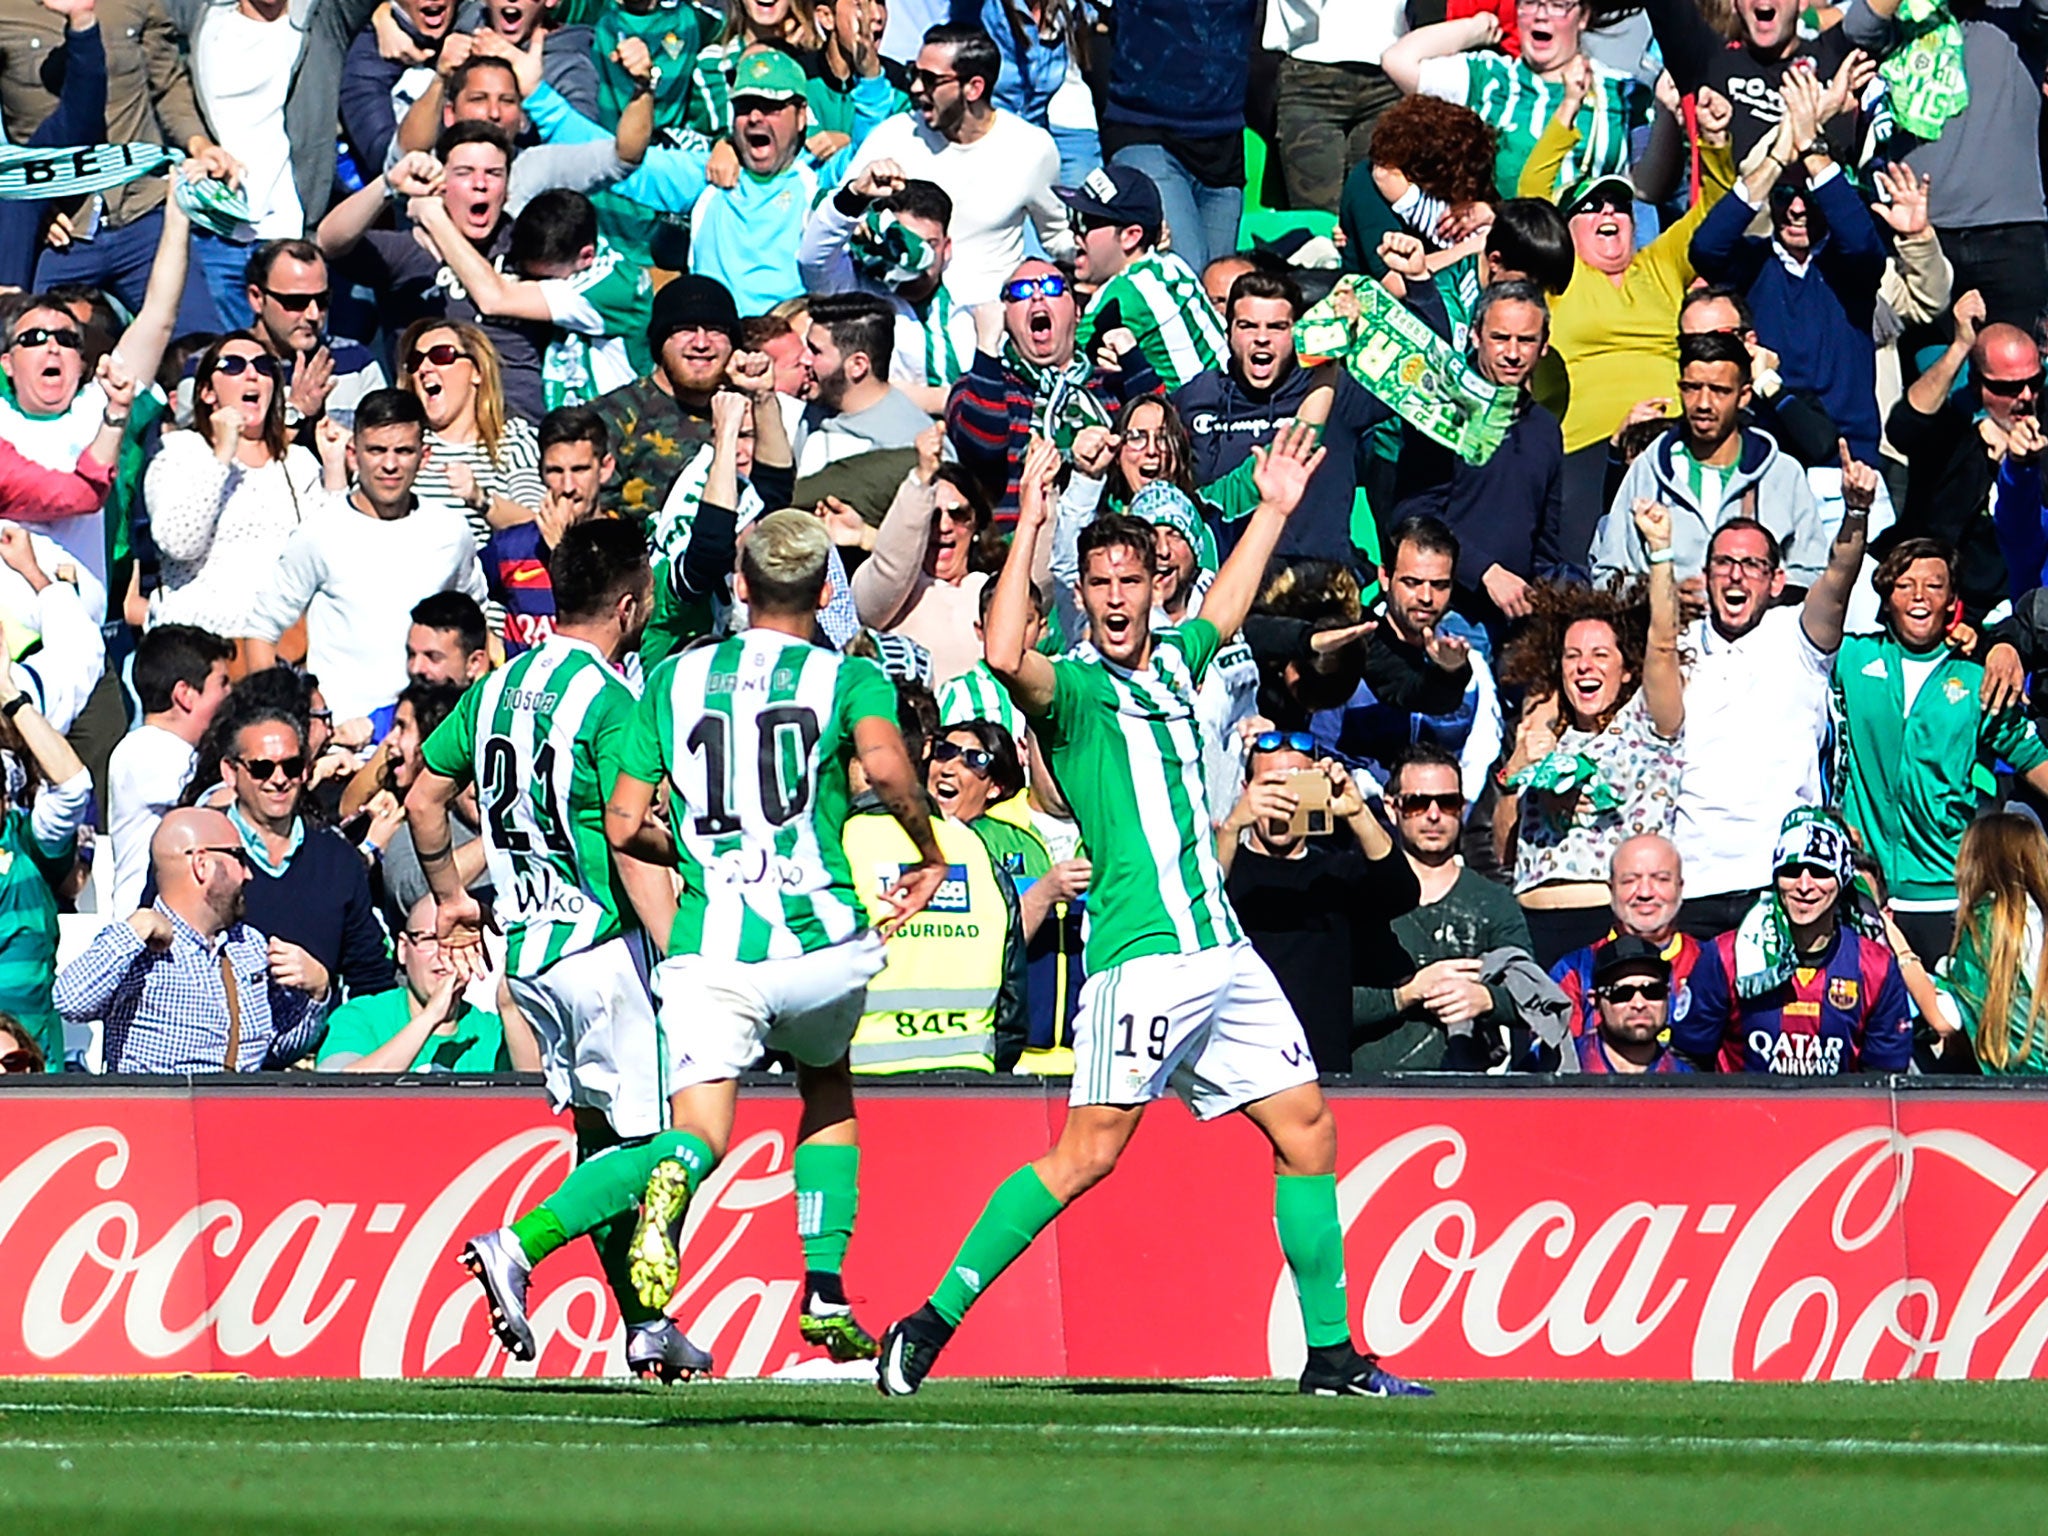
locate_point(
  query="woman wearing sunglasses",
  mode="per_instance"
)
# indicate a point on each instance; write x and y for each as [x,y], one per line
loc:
[224,497]
[47,794]
[19,1051]
[480,462]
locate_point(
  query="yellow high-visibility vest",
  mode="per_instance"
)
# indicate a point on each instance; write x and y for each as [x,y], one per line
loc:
[932,1007]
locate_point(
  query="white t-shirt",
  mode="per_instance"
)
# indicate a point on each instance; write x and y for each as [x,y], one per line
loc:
[356,579]
[996,182]
[242,70]
[145,776]
[1915,670]
[1756,718]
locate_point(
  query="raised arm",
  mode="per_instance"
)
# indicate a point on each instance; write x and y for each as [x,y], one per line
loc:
[142,345]
[1663,681]
[1827,600]
[885,586]
[1405,56]
[1282,475]
[1023,671]
[1927,394]
[506,298]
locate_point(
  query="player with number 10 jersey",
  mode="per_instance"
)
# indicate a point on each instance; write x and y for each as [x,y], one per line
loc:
[756,737]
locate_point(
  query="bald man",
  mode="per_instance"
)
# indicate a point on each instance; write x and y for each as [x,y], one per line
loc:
[184,984]
[1972,450]
[1645,885]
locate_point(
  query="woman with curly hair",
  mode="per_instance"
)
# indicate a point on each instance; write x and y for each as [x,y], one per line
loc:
[1457,61]
[1596,754]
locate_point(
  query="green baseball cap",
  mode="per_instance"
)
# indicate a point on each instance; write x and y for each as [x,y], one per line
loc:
[770,73]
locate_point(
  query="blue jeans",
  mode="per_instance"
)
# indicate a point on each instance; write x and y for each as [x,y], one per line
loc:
[119,260]
[1203,219]
[223,264]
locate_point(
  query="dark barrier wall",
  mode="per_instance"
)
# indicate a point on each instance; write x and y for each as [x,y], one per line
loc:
[296,1228]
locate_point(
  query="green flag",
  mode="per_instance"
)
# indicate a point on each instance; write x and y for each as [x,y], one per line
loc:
[1414,371]
[1924,74]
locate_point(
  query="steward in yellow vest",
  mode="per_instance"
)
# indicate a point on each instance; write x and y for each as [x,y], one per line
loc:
[951,996]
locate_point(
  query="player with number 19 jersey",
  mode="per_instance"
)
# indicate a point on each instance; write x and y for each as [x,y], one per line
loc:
[1126,751]
[755,734]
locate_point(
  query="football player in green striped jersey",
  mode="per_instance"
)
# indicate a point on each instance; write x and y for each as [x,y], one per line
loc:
[770,949]
[540,740]
[1176,999]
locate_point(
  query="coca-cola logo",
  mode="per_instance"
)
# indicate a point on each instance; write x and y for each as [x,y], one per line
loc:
[1776,1296]
[254,1292]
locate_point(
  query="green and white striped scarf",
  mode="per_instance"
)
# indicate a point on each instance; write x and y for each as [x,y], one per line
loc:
[1061,404]
[33,175]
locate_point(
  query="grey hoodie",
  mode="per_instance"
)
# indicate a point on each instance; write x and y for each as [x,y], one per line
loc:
[1763,483]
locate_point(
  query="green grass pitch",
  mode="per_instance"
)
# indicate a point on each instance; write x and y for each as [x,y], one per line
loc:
[1074,1458]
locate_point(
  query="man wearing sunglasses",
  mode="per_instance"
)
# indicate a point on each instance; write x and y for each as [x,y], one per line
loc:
[1150,293]
[1423,1004]
[1631,1001]
[185,985]
[1806,985]
[1029,378]
[291,299]
[997,168]
[1177,1000]
[1955,441]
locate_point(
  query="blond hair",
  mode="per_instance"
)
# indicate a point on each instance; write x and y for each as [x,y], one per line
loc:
[489,402]
[786,558]
[2001,867]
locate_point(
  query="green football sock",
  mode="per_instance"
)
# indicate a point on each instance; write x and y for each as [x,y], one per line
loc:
[1305,1211]
[604,1188]
[827,1196]
[1020,1209]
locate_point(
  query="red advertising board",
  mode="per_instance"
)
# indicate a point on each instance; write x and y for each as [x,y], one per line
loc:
[1718,1235]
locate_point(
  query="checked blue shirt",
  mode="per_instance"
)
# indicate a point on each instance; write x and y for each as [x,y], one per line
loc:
[167,1010]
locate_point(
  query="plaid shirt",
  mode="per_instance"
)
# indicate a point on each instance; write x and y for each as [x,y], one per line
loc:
[167,1010]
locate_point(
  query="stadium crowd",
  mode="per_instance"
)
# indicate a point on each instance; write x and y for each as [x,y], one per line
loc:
[1646,680]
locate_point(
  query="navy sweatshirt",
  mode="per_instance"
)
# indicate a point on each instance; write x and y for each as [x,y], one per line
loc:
[1817,322]
[1505,512]
[1182,65]
[322,904]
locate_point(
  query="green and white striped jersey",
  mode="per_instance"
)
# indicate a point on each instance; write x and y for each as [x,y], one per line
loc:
[976,695]
[754,734]
[1126,751]
[1519,104]
[1159,300]
[542,738]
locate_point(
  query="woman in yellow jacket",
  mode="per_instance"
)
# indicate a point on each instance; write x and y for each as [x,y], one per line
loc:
[1614,330]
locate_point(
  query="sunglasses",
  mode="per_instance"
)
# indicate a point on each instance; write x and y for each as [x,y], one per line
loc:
[2009,388]
[924,80]
[1629,991]
[234,365]
[324,716]
[1285,741]
[238,853]
[1795,870]
[1088,223]
[767,106]
[1048,286]
[442,355]
[19,1061]
[1450,804]
[262,768]
[295,302]
[973,759]
[65,336]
